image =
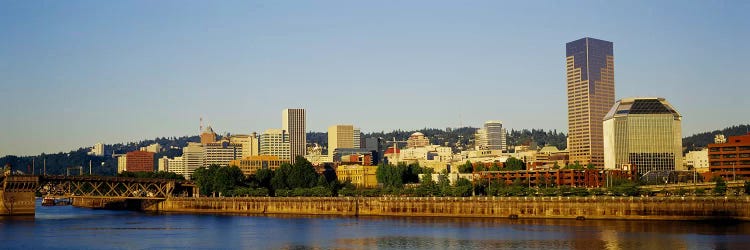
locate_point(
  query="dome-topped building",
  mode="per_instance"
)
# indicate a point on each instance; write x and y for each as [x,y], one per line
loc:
[417,139]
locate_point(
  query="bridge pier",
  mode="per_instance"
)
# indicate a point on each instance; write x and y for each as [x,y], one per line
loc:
[17,195]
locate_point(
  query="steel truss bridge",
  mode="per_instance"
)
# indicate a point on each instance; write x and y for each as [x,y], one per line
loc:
[98,186]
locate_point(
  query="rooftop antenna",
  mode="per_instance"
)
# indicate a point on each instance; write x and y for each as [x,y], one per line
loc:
[201,127]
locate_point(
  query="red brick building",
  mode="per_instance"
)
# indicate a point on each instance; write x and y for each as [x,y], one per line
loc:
[140,161]
[730,160]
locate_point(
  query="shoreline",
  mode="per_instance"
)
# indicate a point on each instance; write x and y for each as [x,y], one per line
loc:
[512,208]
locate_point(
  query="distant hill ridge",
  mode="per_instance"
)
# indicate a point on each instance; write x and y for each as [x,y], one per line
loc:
[702,140]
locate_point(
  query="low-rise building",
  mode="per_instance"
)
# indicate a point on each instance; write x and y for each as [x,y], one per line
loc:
[697,160]
[140,161]
[360,176]
[222,152]
[153,148]
[731,159]
[250,165]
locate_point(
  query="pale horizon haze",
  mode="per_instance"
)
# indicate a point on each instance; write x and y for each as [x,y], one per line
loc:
[74,73]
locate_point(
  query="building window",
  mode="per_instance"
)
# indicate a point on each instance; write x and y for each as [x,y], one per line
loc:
[744,148]
[730,156]
[714,149]
[729,149]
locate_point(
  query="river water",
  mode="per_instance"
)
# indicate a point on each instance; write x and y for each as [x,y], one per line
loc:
[67,227]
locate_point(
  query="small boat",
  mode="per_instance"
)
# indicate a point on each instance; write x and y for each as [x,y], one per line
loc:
[51,201]
[48,201]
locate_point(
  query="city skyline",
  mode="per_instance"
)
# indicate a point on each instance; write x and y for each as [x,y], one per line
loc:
[84,72]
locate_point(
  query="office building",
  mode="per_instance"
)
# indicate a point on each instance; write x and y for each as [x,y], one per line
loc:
[275,142]
[222,152]
[175,165]
[140,161]
[644,134]
[250,144]
[98,149]
[193,157]
[122,163]
[153,148]
[360,176]
[591,93]
[697,160]
[293,122]
[730,158]
[208,136]
[491,137]
[357,138]
[250,165]
[340,136]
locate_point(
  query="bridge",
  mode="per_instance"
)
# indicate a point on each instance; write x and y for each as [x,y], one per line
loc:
[17,193]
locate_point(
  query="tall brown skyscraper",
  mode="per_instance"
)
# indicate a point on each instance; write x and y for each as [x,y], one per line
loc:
[591,93]
[293,122]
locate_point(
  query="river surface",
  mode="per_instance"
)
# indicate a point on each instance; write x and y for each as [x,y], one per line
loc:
[67,227]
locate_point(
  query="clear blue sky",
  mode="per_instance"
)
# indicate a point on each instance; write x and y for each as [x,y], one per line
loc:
[73,73]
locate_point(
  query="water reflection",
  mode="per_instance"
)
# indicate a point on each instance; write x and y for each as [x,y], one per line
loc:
[75,228]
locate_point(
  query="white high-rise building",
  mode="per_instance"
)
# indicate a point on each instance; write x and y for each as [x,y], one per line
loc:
[495,135]
[98,149]
[193,157]
[250,144]
[340,136]
[357,138]
[491,137]
[643,133]
[122,163]
[153,148]
[293,122]
[275,142]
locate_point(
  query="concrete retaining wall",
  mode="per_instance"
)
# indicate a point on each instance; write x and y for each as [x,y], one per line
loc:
[655,208]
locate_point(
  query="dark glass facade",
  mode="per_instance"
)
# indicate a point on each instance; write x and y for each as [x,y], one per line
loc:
[590,55]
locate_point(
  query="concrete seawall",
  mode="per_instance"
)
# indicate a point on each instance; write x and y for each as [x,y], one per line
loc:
[638,208]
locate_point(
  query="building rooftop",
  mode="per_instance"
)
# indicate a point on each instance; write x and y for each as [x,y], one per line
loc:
[641,106]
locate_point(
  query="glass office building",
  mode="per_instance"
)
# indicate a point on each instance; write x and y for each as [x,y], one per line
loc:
[591,92]
[643,133]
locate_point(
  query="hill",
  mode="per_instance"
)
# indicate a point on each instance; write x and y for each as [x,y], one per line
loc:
[702,140]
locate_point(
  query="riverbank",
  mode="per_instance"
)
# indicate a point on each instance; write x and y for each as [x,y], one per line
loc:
[620,208]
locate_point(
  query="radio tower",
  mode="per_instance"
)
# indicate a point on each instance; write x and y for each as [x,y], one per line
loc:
[200,129]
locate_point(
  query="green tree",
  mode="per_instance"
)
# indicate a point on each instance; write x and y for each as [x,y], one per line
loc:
[513,163]
[466,168]
[495,167]
[747,187]
[263,177]
[428,187]
[721,185]
[590,166]
[462,189]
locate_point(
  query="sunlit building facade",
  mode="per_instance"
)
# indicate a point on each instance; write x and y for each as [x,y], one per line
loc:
[643,133]
[591,93]
[293,122]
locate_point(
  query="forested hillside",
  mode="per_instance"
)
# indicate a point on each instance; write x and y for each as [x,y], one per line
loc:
[701,140]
